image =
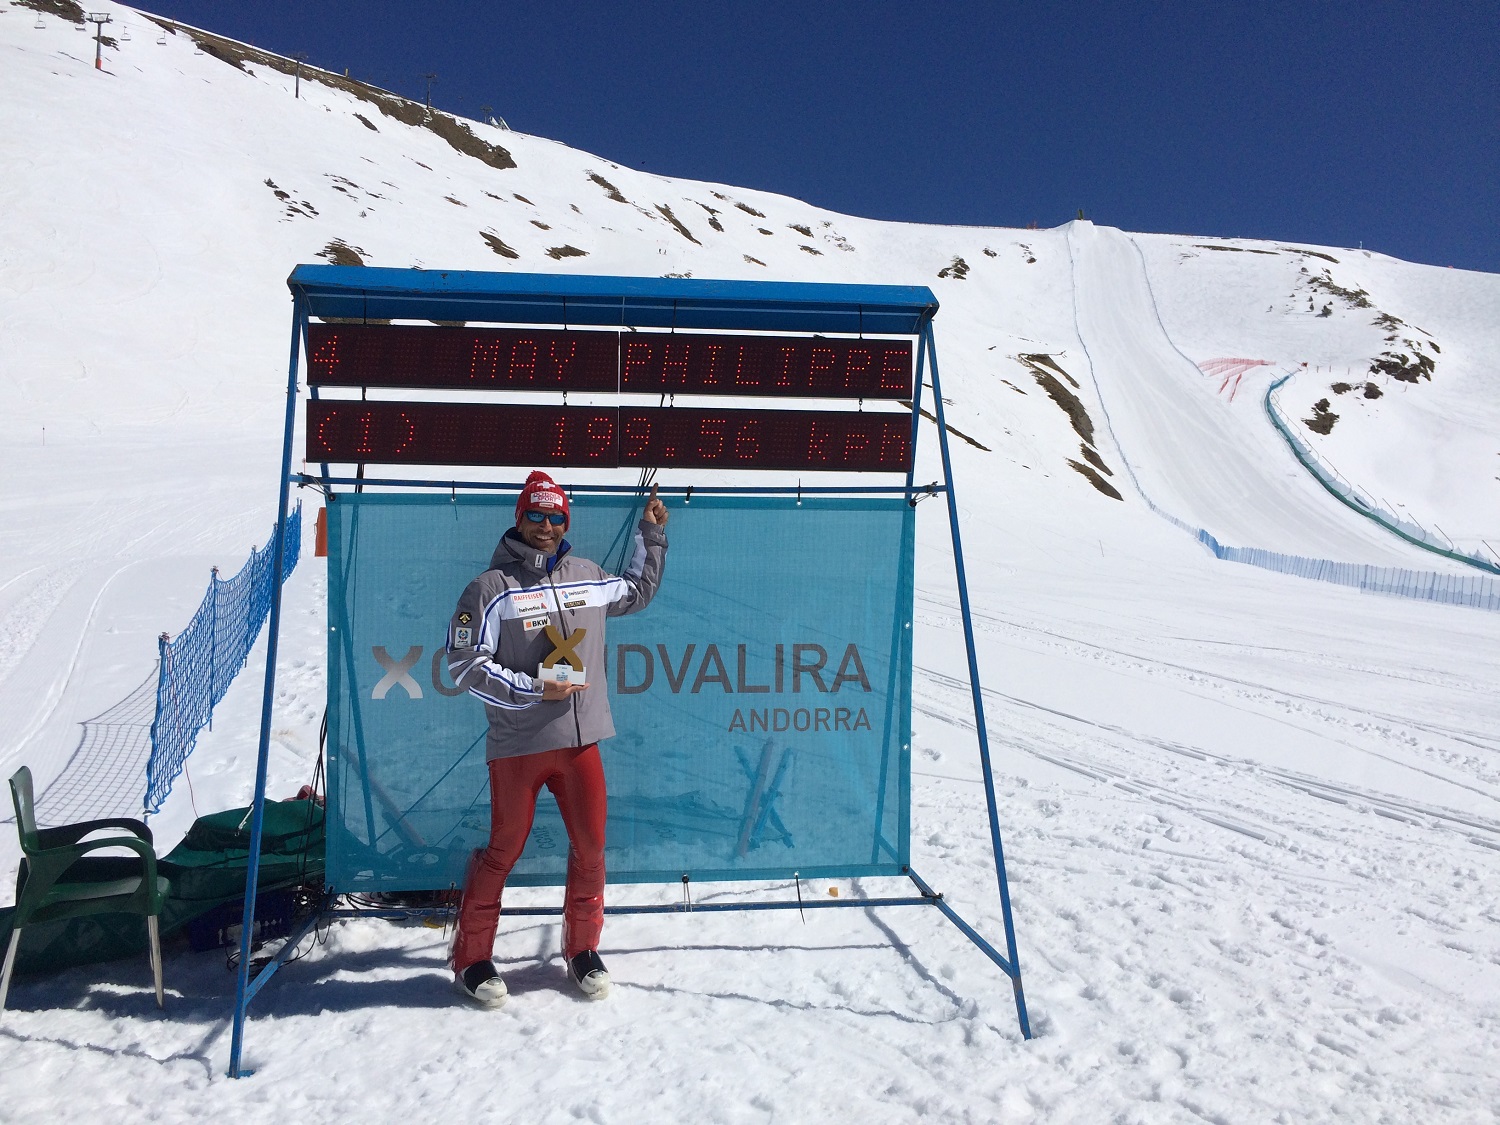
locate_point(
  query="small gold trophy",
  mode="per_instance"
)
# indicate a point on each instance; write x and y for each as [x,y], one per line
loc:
[563,665]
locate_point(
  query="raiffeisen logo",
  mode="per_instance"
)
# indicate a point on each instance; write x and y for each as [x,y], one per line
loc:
[790,669]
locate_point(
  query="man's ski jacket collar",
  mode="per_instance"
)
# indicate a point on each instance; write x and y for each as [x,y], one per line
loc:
[513,549]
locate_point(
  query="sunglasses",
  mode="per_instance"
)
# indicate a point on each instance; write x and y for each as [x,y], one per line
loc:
[556,519]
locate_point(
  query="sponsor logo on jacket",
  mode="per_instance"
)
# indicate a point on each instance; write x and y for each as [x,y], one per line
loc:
[528,601]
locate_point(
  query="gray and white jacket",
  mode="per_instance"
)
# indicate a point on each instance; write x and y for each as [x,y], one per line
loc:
[497,638]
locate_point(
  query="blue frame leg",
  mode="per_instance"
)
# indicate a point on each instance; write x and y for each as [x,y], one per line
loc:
[979,725]
[242,991]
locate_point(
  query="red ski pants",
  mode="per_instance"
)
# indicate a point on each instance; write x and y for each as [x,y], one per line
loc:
[576,778]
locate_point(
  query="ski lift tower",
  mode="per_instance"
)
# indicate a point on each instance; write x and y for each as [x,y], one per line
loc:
[99,19]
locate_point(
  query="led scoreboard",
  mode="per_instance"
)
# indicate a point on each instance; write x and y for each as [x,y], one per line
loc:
[503,359]
[448,433]
[389,355]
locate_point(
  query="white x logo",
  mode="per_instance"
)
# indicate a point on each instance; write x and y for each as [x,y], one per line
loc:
[396,672]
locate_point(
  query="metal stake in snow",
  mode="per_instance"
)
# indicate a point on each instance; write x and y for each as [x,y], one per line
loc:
[99,19]
[301,57]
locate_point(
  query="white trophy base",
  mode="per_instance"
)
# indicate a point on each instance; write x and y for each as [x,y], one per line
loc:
[561,674]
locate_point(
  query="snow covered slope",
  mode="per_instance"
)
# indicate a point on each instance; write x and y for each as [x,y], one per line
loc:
[1403,354]
[1251,821]
[1206,456]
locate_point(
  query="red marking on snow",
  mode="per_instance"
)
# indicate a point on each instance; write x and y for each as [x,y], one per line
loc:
[1229,371]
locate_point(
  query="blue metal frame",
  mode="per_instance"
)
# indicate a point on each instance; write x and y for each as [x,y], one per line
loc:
[369,292]
[304,479]
[344,291]
[926,899]
[1013,969]
[242,989]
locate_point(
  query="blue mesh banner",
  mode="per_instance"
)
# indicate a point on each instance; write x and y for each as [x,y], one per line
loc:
[762,701]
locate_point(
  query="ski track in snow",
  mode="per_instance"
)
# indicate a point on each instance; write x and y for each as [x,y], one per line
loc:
[1401,732]
[1250,822]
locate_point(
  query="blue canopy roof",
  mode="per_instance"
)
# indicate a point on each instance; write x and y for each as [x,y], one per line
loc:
[370,293]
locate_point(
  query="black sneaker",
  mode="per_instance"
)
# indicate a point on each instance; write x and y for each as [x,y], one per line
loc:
[482,983]
[589,974]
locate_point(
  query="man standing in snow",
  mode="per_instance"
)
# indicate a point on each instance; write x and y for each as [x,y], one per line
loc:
[539,605]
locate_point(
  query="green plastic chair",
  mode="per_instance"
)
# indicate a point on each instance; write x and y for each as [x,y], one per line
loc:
[56,882]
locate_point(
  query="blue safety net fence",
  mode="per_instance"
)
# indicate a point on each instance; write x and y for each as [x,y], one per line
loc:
[1474,590]
[762,700]
[197,667]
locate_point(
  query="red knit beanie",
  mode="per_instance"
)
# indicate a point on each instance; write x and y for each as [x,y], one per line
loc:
[541,494]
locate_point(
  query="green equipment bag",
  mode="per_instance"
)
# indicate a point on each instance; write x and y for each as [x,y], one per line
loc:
[207,870]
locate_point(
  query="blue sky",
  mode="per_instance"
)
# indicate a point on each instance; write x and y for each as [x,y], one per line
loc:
[1342,123]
